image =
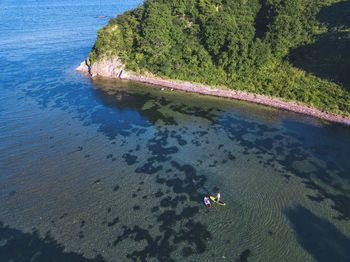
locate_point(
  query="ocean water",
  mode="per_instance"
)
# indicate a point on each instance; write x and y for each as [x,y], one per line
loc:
[110,170]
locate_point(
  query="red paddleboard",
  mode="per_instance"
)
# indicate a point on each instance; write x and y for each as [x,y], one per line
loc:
[208,205]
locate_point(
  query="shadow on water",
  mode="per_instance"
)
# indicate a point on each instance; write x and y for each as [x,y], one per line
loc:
[18,246]
[318,237]
[149,102]
[329,56]
[291,153]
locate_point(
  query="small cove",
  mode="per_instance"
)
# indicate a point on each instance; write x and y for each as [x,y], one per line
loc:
[110,170]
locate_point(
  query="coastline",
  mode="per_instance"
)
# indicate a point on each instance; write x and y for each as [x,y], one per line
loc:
[244,96]
[213,91]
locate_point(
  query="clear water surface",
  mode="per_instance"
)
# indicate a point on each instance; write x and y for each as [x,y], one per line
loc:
[108,170]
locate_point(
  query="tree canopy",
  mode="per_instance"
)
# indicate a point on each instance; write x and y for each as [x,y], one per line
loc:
[261,46]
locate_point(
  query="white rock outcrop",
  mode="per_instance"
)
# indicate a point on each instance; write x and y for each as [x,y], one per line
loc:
[107,67]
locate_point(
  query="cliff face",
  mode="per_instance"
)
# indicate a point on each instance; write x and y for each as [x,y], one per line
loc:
[112,67]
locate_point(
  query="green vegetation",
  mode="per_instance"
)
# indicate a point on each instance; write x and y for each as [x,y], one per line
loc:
[293,49]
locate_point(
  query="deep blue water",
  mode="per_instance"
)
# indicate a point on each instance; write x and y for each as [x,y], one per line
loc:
[108,170]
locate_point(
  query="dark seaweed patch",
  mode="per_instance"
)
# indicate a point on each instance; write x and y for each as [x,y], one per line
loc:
[266,143]
[187,184]
[195,234]
[187,251]
[179,138]
[158,143]
[129,159]
[148,168]
[231,156]
[172,202]
[22,246]
[160,180]
[154,115]
[176,184]
[158,247]
[189,212]
[154,209]
[114,222]
[136,207]
[209,114]
[159,194]
[195,142]
[317,198]
[214,164]
[287,176]
[168,219]
[63,216]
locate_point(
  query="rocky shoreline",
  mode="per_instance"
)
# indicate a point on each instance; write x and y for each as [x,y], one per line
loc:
[115,69]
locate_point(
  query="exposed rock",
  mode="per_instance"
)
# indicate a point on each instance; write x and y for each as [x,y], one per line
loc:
[107,67]
[83,67]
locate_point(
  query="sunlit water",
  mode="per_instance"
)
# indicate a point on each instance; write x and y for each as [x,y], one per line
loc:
[108,170]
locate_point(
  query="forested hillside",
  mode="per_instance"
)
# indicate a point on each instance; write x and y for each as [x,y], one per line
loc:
[294,49]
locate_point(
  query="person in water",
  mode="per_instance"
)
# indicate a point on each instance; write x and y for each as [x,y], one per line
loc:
[207,201]
[217,199]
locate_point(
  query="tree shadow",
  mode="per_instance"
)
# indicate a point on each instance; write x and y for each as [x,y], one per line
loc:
[18,246]
[318,237]
[263,18]
[329,56]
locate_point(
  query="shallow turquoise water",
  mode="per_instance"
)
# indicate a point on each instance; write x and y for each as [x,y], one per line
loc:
[109,170]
